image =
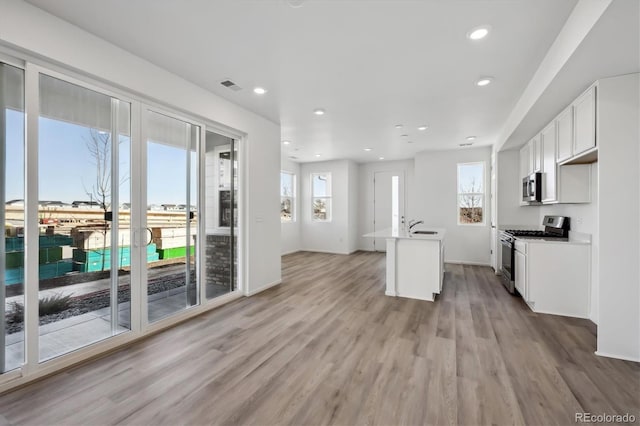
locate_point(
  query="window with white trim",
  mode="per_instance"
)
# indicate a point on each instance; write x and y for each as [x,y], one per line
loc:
[321,197]
[287,197]
[471,197]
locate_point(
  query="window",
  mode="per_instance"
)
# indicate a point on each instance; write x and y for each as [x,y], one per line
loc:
[321,197]
[471,193]
[287,197]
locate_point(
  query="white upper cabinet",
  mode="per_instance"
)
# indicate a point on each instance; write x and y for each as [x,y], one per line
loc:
[584,111]
[548,142]
[525,161]
[536,154]
[565,134]
[531,157]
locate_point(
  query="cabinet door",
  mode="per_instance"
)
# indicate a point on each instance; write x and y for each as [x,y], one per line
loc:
[565,134]
[584,110]
[536,155]
[548,142]
[521,275]
[525,161]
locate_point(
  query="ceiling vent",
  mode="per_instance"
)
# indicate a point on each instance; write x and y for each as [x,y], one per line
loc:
[465,144]
[230,85]
[291,157]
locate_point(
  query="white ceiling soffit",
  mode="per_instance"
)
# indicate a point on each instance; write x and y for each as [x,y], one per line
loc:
[610,46]
[369,64]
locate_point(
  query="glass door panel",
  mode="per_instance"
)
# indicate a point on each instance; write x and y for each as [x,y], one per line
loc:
[12,121]
[172,194]
[221,214]
[84,249]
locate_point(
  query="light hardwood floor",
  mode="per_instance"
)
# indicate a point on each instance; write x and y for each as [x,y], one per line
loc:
[327,347]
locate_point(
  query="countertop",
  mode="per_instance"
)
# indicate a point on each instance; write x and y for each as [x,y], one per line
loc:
[400,233]
[552,241]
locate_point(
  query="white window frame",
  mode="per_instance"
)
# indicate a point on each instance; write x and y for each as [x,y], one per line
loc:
[292,197]
[481,194]
[326,197]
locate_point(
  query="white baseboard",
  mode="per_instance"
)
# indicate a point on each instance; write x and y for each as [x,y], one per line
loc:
[328,251]
[392,294]
[263,288]
[465,262]
[622,357]
[290,252]
[417,298]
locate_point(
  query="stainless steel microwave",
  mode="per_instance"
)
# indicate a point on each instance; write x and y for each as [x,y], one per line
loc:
[532,188]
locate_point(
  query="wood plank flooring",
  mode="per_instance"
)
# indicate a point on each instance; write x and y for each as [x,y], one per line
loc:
[327,347]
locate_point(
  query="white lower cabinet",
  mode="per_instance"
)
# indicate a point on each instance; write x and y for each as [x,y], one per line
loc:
[521,274]
[554,277]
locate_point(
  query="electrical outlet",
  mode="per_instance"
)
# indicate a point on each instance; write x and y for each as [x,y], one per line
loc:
[578,221]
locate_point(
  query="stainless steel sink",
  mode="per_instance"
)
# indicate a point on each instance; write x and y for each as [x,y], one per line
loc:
[425,232]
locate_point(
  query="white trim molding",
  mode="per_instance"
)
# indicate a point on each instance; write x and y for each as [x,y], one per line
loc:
[262,288]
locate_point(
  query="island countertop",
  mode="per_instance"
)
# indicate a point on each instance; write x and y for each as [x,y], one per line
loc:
[402,234]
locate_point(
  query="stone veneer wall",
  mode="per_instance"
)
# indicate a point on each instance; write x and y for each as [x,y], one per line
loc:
[218,260]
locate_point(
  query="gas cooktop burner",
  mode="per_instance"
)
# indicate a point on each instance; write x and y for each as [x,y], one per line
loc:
[532,234]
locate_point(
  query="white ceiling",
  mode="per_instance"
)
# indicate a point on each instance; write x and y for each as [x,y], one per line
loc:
[370,64]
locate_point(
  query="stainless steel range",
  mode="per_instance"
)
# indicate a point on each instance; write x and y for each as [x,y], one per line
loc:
[555,228]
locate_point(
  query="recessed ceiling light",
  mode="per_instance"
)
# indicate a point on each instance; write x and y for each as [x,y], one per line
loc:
[318,111]
[478,33]
[484,81]
[295,3]
[259,90]
[367,149]
[318,155]
[470,138]
[380,158]
[286,142]
[398,126]
[423,127]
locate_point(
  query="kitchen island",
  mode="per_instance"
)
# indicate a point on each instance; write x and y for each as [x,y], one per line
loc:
[415,262]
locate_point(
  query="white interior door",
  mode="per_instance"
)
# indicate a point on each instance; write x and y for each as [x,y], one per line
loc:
[388,204]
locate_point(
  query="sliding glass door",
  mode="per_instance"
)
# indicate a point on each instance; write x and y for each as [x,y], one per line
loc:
[172,214]
[12,122]
[221,214]
[116,216]
[84,233]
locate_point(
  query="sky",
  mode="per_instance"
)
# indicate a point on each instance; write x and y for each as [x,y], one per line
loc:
[67,170]
[467,173]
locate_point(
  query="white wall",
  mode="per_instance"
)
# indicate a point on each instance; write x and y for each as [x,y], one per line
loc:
[333,236]
[436,177]
[354,208]
[365,195]
[510,212]
[618,213]
[290,231]
[29,29]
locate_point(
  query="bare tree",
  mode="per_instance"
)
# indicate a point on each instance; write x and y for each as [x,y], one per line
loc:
[99,146]
[471,202]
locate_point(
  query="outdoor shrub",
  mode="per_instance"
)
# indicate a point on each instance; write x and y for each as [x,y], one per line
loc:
[16,312]
[54,304]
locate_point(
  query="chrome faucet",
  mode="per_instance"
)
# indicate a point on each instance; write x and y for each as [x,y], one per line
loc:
[413,223]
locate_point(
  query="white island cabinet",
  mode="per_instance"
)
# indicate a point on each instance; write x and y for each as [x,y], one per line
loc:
[415,262]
